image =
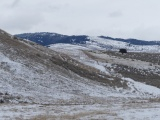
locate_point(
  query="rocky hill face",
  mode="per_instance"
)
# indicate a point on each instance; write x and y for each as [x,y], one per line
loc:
[76,81]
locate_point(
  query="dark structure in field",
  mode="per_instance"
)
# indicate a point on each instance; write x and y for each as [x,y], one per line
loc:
[122,51]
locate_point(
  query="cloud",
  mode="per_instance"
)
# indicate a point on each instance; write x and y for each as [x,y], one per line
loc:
[18,21]
[147,32]
[15,3]
[115,14]
[117,18]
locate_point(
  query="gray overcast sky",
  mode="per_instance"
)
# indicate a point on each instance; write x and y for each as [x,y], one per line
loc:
[116,18]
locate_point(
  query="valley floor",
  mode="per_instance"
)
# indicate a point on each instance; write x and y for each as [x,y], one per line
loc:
[111,111]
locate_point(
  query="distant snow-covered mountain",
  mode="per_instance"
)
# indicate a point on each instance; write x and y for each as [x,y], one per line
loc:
[96,42]
[46,38]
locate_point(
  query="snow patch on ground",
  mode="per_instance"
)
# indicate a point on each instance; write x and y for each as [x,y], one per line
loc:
[142,88]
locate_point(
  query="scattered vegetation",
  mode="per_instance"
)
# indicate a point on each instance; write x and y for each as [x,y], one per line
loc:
[147,57]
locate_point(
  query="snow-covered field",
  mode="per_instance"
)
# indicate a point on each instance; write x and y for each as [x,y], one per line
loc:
[110,111]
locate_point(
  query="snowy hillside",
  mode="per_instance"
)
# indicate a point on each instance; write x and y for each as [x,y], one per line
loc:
[33,74]
[109,63]
[76,81]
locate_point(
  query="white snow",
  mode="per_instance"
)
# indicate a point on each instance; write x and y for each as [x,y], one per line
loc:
[142,88]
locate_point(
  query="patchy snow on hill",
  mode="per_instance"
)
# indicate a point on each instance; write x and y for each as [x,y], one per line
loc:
[93,42]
